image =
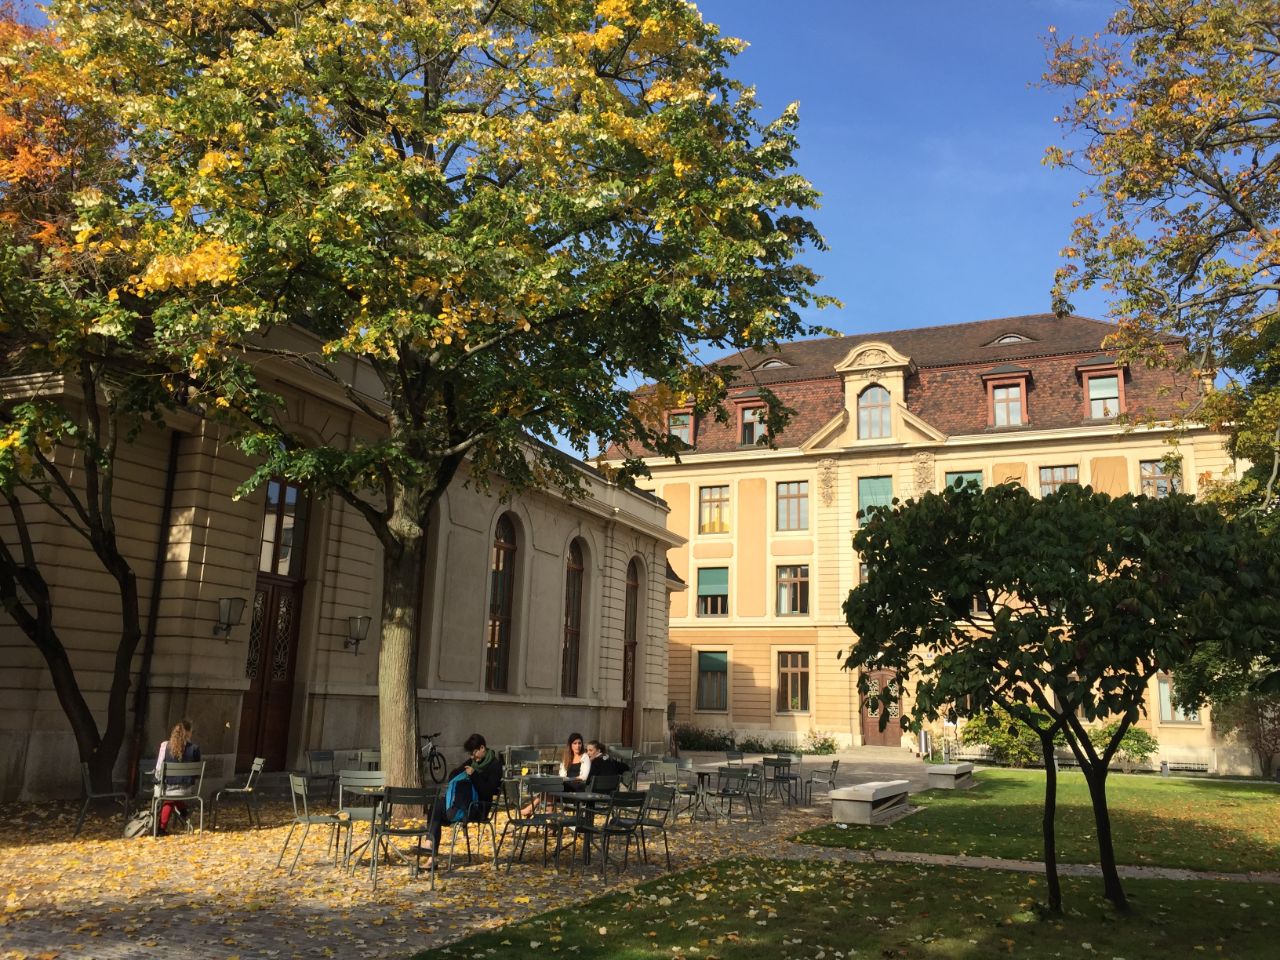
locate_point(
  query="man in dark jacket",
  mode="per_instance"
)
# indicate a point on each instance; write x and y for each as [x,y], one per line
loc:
[484,769]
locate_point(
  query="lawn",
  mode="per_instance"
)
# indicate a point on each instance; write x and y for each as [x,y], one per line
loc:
[1197,824]
[820,910]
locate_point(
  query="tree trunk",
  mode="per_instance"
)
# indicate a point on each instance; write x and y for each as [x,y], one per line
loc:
[1096,777]
[403,569]
[1050,809]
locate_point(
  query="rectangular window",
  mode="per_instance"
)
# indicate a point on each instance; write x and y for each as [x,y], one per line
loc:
[793,505]
[1006,405]
[752,425]
[1104,397]
[680,426]
[964,477]
[713,592]
[1051,478]
[1170,713]
[793,590]
[873,492]
[1156,481]
[793,682]
[713,509]
[713,680]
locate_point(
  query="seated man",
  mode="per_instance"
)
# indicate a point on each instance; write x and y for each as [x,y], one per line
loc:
[604,765]
[484,769]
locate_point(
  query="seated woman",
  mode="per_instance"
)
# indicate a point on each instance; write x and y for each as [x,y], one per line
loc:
[179,748]
[575,765]
[484,769]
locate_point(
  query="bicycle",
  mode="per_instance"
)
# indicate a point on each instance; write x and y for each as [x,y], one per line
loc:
[432,761]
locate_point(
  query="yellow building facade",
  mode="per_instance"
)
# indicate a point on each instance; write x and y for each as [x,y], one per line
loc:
[757,639]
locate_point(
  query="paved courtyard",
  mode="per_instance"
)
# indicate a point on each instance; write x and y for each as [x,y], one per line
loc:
[220,895]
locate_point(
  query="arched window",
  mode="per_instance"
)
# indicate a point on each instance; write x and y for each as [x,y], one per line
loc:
[569,653]
[630,616]
[502,581]
[630,611]
[873,413]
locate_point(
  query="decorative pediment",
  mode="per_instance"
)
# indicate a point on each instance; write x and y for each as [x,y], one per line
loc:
[872,355]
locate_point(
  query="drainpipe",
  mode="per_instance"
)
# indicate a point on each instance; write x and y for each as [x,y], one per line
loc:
[142,693]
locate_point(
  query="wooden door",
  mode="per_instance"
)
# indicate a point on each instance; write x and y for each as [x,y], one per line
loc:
[872,735]
[269,666]
[629,695]
[273,628]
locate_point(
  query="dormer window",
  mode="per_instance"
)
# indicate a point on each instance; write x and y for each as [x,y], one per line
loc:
[1007,396]
[680,426]
[773,364]
[1103,381]
[752,426]
[874,420]
[1008,338]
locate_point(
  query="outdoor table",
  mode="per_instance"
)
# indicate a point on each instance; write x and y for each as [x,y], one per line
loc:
[700,808]
[578,799]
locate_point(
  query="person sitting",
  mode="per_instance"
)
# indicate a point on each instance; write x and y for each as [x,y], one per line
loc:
[575,764]
[484,769]
[177,749]
[600,764]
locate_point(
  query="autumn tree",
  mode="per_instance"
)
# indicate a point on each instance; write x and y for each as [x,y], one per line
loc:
[1060,610]
[1174,118]
[79,375]
[500,208]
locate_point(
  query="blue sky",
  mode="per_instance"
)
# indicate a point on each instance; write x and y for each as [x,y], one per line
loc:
[921,125]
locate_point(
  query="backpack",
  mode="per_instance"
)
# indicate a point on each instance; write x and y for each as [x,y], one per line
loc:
[139,825]
[459,795]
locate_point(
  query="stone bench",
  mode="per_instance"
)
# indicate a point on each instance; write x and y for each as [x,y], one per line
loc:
[951,776]
[870,803]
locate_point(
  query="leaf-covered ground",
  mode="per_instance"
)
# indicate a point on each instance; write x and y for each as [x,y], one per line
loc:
[809,910]
[219,895]
[1196,824]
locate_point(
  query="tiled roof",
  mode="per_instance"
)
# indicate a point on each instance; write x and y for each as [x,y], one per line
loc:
[939,346]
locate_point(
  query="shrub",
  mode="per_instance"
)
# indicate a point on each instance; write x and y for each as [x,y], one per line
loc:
[695,738]
[1136,746]
[1011,741]
[819,743]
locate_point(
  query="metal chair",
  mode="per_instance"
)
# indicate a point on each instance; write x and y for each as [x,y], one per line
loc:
[305,819]
[481,813]
[177,783]
[659,805]
[320,770]
[356,785]
[733,758]
[516,799]
[383,830]
[818,776]
[369,759]
[90,795]
[247,793]
[731,786]
[518,757]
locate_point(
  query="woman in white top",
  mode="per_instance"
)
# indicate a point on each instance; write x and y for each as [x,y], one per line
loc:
[575,765]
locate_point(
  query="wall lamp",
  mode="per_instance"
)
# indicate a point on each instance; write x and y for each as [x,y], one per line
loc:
[230,612]
[357,630]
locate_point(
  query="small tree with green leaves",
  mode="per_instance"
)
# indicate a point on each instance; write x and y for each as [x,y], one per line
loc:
[1067,606]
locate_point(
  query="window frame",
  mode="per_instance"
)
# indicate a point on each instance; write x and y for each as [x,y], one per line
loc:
[1154,480]
[1176,716]
[718,507]
[790,678]
[698,705]
[1105,373]
[698,604]
[861,506]
[1055,483]
[759,431]
[687,441]
[797,586]
[799,500]
[878,415]
[993,404]
[501,619]
[949,477]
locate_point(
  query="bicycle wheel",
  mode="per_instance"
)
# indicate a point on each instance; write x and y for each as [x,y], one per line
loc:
[436,764]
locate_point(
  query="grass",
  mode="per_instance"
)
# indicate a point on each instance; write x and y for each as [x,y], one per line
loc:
[1196,824]
[820,910]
